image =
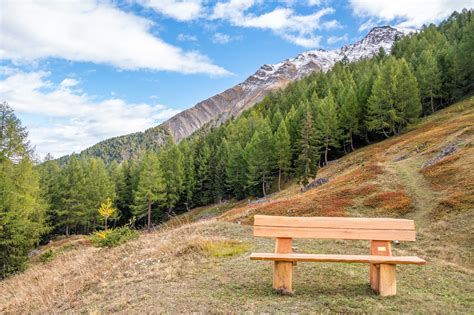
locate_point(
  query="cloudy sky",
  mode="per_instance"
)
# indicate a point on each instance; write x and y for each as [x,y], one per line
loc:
[77,72]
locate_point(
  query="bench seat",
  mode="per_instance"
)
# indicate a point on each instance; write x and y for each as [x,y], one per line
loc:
[372,259]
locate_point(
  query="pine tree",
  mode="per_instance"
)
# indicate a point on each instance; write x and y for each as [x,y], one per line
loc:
[172,165]
[22,210]
[307,147]
[236,169]
[327,125]
[349,114]
[203,180]
[429,78]
[189,180]
[150,189]
[282,151]
[260,158]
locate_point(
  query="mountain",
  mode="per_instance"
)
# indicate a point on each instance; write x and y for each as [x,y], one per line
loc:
[230,103]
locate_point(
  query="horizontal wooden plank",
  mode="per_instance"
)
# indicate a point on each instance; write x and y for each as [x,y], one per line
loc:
[321,233]
[335,222]
[372,259]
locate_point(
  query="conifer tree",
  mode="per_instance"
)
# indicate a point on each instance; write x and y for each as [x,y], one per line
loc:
[307,147]
[282,151]
[22,210]
[429,79]
[150,190]
[172,165]
[327,125]
[349,114]
[236,168]
[260,158]
[189,180]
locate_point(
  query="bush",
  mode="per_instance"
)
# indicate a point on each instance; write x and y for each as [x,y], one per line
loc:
[113,237]
[47,256]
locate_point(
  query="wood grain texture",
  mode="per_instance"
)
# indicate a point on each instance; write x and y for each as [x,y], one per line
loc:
[387,280]
[328,233]
[283,245]
[283,276]
[339,258]
[335,222]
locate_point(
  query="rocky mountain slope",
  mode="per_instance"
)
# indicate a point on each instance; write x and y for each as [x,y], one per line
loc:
[230,103]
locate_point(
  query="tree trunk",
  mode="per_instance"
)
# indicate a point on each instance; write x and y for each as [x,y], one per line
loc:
[326,155]
[352,143]
[279,179]
[149,217]
[367,138]
[106,223]
[384,133]
[67,229]
[432,104]
[263,188]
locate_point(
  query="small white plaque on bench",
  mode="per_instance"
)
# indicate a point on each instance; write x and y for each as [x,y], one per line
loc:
[382,249]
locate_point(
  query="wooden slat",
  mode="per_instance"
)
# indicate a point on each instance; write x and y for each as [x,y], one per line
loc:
[335,223]
[390,260]
[323,233]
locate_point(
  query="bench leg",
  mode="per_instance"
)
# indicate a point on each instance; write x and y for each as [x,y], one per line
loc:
[387,280]
[283,277]
[374,277]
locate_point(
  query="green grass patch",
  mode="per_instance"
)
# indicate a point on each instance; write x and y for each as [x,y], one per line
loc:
[113,237]
[47,256]
[226,248]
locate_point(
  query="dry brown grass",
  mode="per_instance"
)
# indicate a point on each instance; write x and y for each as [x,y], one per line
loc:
[59,284]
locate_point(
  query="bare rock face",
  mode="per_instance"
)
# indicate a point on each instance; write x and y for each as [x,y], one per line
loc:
[230,103]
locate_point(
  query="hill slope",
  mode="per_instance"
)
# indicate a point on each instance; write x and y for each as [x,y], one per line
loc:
[425,174]
[233,101]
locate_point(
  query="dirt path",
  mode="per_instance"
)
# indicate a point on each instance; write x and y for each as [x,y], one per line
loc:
[417,187]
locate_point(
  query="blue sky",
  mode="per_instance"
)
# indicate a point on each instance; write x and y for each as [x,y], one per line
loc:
[77,72]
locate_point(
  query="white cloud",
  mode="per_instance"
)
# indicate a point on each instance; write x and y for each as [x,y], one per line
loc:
[186,38]
[314,2]
[68,82]
[409,13]
[67,121]
[335,39]
[220,38]
[90,31]
[285,22]
[181,10]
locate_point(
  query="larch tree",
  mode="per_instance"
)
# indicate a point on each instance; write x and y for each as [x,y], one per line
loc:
[260,158]
[282,151]
[172,165]
[150,189]
[307,148]
[327,125]
[22,210]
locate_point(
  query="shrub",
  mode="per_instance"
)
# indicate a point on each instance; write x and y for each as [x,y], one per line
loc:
[47,256]
[113,237]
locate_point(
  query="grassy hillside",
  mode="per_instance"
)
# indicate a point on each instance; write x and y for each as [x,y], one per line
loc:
[204,265]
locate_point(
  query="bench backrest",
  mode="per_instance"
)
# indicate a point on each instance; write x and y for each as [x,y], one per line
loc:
[334,228]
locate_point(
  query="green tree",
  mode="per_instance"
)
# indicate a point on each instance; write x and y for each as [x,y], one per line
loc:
[150,189]
[307,147]
[260,158]
[429,78]
[327,125]
[189,181]
[349,114]
[172,165]
[22,210]
[282,151]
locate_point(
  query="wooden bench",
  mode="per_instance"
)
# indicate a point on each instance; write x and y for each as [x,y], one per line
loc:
[380,231]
